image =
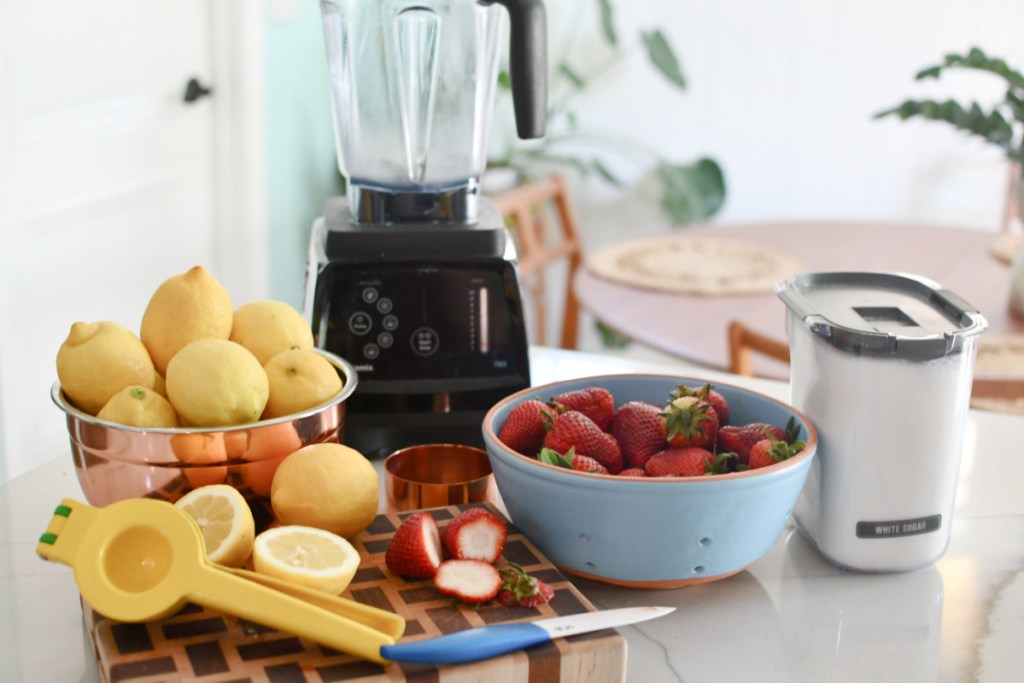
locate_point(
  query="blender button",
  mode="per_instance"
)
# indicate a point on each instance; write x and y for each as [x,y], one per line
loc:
[425,341]
[370,294]
[360,323]
[371,351]
[384,305]
[385,340]
[390,323]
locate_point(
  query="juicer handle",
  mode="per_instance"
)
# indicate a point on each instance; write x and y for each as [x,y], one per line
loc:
[528,64]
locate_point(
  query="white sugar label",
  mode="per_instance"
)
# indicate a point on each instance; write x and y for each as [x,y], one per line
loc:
[900,527]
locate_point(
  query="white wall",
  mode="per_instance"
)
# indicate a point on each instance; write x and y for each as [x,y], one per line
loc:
[782,94]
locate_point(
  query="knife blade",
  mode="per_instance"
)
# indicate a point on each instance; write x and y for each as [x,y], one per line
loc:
[490,641]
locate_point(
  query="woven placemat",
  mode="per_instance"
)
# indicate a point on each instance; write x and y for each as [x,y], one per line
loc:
[685,264]
[1000,355]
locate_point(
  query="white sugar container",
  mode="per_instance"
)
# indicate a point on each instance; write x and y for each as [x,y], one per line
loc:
[882,364]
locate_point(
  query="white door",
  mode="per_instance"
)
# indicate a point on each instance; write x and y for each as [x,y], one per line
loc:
[108,184]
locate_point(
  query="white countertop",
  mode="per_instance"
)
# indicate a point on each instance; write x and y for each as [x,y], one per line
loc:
[791,616]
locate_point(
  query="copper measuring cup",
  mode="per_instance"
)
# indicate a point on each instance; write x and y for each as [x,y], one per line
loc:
[142,559]
[436,475]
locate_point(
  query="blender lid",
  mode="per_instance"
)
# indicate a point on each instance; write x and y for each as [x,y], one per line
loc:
[882,314]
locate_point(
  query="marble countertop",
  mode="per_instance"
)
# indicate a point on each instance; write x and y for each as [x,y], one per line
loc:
[790,616]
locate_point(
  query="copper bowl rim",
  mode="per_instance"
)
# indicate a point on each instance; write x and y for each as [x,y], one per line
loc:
[810,443]
[351,380]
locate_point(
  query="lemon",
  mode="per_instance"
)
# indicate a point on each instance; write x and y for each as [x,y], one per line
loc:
[139,407]
[185,308]
[216,383]
[202,452]
[268,327]
[328,486]
[225,520]
[299,379]
[97,360]
[308,556]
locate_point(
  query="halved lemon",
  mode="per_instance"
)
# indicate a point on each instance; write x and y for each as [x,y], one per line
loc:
[225,520]
[306,555]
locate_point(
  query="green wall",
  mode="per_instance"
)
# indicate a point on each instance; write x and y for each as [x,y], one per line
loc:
[301,166]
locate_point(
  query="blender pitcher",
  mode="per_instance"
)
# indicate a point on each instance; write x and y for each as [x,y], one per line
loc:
[412,91]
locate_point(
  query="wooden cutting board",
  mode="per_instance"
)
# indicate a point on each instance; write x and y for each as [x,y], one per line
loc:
[204,645]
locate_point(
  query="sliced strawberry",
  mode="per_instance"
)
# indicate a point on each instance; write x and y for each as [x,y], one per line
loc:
[573,429]
[690,421]
[596,403]
[472,581]
[415,550]
[519,589]
[475,534]
[526,426]
[640,431]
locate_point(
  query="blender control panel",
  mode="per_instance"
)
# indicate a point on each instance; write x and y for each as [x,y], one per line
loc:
[421,322]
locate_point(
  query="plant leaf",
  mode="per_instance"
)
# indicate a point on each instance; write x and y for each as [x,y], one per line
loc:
[992,126]
[692,192]
[607,22]
[572,76]
[663,58]
[504,80]
[606,173]
[978,60]
[611,339]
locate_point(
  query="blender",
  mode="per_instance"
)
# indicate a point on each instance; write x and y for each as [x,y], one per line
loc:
[411,276]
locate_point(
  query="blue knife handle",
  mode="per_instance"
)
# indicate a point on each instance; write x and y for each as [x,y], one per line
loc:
[469,645]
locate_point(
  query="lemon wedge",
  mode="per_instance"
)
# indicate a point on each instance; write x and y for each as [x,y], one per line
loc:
[306,555]
[225,520]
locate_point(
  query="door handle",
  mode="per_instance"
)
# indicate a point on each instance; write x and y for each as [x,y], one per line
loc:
[195,90]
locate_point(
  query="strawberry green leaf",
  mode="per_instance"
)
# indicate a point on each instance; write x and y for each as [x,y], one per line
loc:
[550,457]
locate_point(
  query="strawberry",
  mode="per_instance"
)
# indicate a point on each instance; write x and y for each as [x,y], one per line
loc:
[473,581]
[519,589]
[708,393]
[415,551]
[690,421]
[475,534]
[584,463]
[770,451]
[680,462]
[640,431]
[573,429]
[526,426]
[633,472]
[595,402]
[740,439]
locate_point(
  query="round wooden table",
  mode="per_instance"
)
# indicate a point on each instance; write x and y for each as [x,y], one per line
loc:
[693,327]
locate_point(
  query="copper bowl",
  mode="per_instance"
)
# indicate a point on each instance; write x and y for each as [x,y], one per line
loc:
[115,461]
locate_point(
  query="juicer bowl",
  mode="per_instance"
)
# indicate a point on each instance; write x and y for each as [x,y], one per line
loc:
[651,532]
[115,461]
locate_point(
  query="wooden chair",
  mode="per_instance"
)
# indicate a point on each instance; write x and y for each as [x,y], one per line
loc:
[1010,209]
[743,340]
[543,221]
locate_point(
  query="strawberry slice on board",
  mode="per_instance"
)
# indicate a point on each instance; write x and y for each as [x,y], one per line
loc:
[475,534]
[415,551]
[472,581]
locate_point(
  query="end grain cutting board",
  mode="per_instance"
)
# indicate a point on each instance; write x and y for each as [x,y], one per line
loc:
[204,645]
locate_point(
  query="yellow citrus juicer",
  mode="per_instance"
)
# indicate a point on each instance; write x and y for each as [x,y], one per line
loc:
[143,559]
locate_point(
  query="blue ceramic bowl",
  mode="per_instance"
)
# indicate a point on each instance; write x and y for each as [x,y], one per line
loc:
[657,532]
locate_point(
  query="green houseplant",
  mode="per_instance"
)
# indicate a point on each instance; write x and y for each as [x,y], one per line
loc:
[690,192]
[1001,124]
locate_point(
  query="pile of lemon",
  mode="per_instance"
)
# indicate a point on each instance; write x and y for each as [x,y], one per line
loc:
[197,361]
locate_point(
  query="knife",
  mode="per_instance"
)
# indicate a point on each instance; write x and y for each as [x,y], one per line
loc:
[489,641]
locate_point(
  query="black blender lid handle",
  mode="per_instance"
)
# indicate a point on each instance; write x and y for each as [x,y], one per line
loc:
[528,64]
